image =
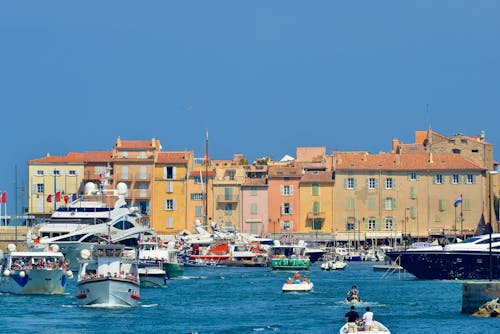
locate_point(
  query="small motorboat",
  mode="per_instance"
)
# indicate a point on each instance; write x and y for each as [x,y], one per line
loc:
[353,299]
[303,286]
[333,265]
[376,328]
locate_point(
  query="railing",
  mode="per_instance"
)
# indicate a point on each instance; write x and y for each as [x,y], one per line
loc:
[227,199]
[316,215]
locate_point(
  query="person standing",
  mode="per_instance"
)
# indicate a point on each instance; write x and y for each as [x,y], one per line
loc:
[368,319]
[351,318]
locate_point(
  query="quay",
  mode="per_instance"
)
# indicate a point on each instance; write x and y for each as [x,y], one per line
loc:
[475,294]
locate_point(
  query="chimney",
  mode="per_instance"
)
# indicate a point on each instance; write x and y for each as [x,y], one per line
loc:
[395,144]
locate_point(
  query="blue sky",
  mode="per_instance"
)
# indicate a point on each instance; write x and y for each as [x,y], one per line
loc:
[263,77]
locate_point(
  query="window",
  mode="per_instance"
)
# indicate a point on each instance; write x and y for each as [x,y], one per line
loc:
[286,225]
[388,223]
[372,183]
[253,191]
[170,222]
[228,194]
[72,172]
[39,173]
[372,203]
[253,209]
[350,183]
[125,172]
[228,208]
[143,172]
[389,203]
[475,150]
[230,173]
[286,208]
[124,154]
[350,225]
[40,188]
[438,179]
[413,192]
[169,172]
[198,180]
[142,155]
[413,212]
[442,205]
[170,187]
[198,211]
[123,225]
[413,176]
[197,197]
[316,208]
[169,204]
[56,172]
[455,179]
[286,190]
[470,179]
[315,189]
[372,223]
[389,183]
[351,204]
[456,151]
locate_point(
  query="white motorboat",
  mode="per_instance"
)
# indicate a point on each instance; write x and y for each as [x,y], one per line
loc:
[303,286]
[109,278]
[153,249]
[378,328]
[152,275]
[40,272]
[333,265]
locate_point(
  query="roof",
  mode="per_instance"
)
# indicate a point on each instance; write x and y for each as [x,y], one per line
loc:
[203,173]
[254,182]
[75,158]
[284,171]
[390,161]
[137,144]
[172,157]
[317,177]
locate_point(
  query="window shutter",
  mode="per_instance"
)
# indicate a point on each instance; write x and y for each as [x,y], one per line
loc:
[354,183]
[170,222]
[174,205]
[474,178]
[291,190]
[466,204]
[164,172]
[164,204]
[371,203]
[368,183]
[393,183]
[413,212]
[345,183]
[282,190]
[174,172]
[408,176]
[393,203]
[34,189]
[376,183]
[377,223]
[345,223]
[282,208]
[291,208]
[413,193]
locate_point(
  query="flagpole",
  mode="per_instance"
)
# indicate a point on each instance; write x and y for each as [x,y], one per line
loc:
[462,216]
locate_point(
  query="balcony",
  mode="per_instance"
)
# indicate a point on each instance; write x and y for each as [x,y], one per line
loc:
[228,199]
[138,193]
[316,215]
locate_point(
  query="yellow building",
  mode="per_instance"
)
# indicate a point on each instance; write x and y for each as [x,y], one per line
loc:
[169,204]
[316,203]
[384,196]
[199,194]
[51,175]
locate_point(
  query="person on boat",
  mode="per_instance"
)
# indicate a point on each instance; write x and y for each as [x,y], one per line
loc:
[351,318]
[368,319]
[353,294]
[297,277]
[306,279]
[289,281]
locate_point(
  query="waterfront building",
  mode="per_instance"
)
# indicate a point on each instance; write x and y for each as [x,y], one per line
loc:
[284,199]
[53,181]
[387,195]
[133,164]
[254,201]
[200,193]
[169,200]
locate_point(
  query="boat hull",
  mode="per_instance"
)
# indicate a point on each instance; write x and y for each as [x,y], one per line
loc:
[444,265]
[108,292]
[290,264]
[377,328]
[173,270]
[297,287]
[35,281]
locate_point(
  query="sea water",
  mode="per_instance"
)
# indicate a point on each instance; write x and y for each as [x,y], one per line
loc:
[250,300]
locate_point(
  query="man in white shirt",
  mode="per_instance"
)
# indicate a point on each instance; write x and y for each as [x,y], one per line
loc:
[368,319]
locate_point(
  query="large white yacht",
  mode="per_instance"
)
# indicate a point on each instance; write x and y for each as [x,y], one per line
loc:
[119,224]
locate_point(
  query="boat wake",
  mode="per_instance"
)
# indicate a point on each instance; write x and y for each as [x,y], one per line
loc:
[149,305]
[190,277]
[271,328]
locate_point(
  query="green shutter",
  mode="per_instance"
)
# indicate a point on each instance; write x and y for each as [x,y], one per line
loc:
[355,183]
[466,204]
[413,192]
[371,203]
[345,183]
[394,184]
[413,212]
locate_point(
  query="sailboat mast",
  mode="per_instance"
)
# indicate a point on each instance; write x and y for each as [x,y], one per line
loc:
[206,179]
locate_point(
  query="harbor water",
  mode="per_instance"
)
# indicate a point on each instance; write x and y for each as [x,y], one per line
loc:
[249,300]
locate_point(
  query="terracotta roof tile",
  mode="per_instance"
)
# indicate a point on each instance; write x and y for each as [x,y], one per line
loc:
[282,171]
[75,157]
[172,157]
[135,144]
[254,182]
[317,177]
[389,161]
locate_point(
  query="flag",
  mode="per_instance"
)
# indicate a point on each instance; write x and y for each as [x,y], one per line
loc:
[58,196]
[49,198]
[73,197]
[4,197]
[66,198]
[458,201]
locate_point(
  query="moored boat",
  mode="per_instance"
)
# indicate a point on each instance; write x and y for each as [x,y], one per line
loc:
[378,328]
[466,260]
[34,272]
[109,278]
[152,275]
[333,265]
[288,257]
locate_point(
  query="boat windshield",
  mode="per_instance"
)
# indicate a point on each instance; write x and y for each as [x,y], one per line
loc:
[473,239]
